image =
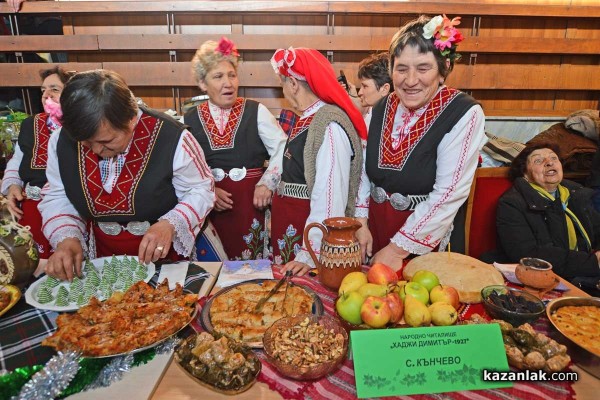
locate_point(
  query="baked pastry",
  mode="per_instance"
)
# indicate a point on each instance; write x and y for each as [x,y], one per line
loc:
[466,274]
[581,324]
[232,313]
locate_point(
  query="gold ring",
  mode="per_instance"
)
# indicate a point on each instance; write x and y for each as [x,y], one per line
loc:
[160,248]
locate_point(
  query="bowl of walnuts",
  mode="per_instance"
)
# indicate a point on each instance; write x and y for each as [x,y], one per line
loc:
[306,346]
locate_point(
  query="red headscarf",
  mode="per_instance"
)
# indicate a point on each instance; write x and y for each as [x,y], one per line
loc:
[311,66]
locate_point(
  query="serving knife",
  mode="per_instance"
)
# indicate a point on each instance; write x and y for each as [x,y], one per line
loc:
[262,301]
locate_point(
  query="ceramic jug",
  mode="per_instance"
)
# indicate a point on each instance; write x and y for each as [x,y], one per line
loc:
[340,250]
[536,273]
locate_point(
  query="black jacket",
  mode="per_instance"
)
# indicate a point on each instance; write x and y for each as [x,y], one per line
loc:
[529,225]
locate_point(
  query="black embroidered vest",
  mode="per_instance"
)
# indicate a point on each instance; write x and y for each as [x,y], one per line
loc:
[33,142]
[239,145]
[144,189]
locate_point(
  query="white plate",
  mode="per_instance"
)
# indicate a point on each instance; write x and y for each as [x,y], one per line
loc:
[32,291]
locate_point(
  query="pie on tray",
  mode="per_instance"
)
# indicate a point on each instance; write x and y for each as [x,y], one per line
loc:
[581,324]
[125,322]
[232,313]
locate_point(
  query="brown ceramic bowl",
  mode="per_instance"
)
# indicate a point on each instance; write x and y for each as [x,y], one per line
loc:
[536,273]
[305,372]
[582,357]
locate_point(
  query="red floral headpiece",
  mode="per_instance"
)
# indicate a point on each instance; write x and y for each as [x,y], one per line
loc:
[445,35]
[226,47]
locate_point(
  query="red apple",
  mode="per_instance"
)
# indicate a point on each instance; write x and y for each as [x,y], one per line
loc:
[381,274]
[446,294]
[396,306]
[375,312]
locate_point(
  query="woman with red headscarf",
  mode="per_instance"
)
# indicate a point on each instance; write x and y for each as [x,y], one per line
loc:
[322,159]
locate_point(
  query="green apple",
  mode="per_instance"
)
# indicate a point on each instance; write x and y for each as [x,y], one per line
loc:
[348,307]
[371,289]
[352,282]
[426,278]
[413,289]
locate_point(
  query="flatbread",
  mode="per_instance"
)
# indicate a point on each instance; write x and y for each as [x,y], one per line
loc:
[466,274]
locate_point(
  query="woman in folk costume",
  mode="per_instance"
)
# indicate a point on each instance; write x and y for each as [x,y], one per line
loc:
[25,173]
[322,158]
[423,146]
[237,135]
[134,178]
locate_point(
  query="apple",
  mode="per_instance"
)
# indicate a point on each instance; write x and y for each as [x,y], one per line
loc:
[446,294]
[375,312]
[443,314]
[426,278]
[352,282]
[414,289]
[396,306]
[372,289]
[416,313]
[348,306]
[381,274]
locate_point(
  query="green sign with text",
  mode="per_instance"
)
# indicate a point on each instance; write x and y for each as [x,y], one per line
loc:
[426,360]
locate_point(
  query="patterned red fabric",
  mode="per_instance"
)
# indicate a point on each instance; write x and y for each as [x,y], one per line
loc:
[33,219]
[102,203]
[232,225]
[124,243]
[226,139]
[340,385]
[287,226]
[396,158]
[482,233]
[300,126]
[287,119]
[41,136]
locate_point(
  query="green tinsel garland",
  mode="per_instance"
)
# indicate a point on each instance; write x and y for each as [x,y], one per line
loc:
[11,384]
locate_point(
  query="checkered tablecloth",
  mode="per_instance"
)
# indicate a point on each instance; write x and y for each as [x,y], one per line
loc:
[23,328]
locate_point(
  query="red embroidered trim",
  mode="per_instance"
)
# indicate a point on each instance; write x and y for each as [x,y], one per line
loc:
[300,126]
[225,140]
[63,226]
[41,137]
[120,200]
[60,216]
[390,158]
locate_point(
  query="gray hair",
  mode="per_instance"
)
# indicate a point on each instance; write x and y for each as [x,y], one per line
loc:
[206,58]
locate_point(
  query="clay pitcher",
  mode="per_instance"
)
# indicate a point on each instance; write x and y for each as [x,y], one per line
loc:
[340,250]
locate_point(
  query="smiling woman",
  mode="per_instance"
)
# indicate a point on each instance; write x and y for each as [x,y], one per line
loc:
[546,217]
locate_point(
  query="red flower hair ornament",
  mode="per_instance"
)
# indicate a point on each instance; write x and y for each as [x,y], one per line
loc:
[226,47]
[442,30]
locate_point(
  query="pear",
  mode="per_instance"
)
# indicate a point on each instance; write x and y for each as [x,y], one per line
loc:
[443,314]
[352,282]
[416,313]
[372,289]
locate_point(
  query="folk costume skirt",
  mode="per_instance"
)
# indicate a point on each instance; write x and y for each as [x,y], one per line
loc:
[33,219]
[288,217]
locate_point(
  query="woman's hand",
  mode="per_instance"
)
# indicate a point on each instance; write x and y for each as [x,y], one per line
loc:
[14,196]
[365,239]
[391,255]
[262,196]
[156,243]
[66,260]
[15,4]
[297,268]
[224,201]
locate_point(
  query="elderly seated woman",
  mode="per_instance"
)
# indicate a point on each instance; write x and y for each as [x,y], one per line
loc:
[547,217]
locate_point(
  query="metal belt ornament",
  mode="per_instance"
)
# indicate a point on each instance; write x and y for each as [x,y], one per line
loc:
[137,228]
[398,201]
[33,192]
[235,174]
[296,190]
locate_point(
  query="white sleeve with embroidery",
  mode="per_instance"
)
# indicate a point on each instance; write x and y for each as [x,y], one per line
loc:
[364,188]
[330,193]
[11,173]
[274,140]
[60,220]
[195,189]
[457,157]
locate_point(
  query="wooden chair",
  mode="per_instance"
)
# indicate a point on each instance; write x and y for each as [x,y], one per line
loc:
[480,225]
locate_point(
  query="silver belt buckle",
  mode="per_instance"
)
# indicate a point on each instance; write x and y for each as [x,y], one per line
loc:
[378,194]
[137,228]
[399,202]
[33,192]
[235,174]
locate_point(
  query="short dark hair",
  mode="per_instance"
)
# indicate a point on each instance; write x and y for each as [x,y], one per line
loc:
[92,97]
[63,75]
[519,165]
[411,34]
[376,67]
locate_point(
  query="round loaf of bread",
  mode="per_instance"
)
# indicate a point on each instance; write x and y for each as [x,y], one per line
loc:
[466,274]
